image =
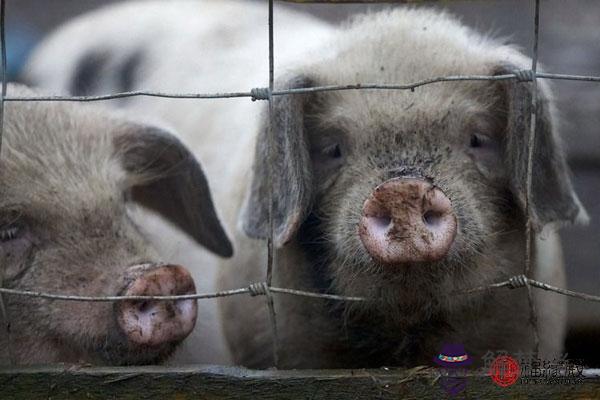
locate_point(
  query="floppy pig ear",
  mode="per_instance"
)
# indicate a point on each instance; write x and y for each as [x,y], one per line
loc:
[292,174]
[172,184]
[553,199]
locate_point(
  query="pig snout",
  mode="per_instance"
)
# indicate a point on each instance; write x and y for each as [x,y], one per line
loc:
[407,220]
[157,322]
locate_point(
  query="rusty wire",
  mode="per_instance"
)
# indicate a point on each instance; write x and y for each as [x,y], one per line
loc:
[251,290]
[514,282]
[264,93]
[3,309]
[530,148]
[3,66]
[265,288]
[270,158]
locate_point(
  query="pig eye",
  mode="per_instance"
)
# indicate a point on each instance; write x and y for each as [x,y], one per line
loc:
[16,242]
[484,144]
[9,233]
[475,141]
[327,152]
[333,151]
[486,151]
[11,225]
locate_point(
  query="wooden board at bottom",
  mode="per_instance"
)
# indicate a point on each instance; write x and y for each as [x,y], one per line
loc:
[215,382]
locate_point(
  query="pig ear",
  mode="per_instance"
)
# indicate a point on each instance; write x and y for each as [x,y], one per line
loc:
[553,200]
[292,173]
[168,179]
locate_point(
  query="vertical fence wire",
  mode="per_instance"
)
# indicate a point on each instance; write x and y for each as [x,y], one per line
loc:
[3,55]
[529,247]
[270,158]
[4,316]
[3,308]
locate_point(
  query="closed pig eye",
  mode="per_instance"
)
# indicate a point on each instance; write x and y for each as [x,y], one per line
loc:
[483,142]
[327,157]
[10,232]
[16,242]
[11,225]
[475,141]
[333,151]
[486,152]
[327,150]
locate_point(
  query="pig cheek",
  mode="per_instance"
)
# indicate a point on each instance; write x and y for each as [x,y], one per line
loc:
[72,326]
[85,325]
[489,164]
[344,227]
[479,222]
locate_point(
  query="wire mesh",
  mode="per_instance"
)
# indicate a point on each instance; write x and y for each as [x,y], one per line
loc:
[267,94]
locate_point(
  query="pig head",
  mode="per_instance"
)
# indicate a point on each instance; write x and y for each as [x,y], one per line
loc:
[69,174]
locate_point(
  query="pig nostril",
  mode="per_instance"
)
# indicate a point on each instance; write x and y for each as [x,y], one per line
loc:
[143,307]
[432,218]
[381,222]
[147,308]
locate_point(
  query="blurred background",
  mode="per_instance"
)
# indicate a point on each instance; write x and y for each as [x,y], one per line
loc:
[569,43]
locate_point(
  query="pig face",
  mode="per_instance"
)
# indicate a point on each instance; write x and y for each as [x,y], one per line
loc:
[403,196]
[69,175]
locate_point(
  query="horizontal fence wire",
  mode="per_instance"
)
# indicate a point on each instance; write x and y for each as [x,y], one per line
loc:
[263,93]
[255,289]
[258,289]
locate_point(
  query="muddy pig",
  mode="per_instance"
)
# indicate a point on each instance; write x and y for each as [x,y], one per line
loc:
[405,198]
[68,175]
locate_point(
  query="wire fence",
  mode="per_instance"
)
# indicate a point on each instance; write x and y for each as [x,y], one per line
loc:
[261,288]
[265,93]
[265,288]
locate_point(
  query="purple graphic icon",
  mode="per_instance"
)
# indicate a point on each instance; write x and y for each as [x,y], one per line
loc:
[453,359]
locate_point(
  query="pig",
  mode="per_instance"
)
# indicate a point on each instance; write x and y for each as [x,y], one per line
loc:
[403,198]
[69,175]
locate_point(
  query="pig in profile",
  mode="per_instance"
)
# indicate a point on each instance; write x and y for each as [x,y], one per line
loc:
[402,198]
[67,173]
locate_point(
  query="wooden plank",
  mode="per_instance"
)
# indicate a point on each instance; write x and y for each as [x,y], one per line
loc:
[213,382]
